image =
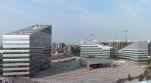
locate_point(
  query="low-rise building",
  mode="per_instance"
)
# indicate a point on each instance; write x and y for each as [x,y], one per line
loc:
[94,49]
[137,51]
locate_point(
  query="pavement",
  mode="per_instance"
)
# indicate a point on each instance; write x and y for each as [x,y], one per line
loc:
[71,70]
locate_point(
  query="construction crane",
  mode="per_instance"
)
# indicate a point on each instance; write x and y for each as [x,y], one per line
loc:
[92,35]
[125,31]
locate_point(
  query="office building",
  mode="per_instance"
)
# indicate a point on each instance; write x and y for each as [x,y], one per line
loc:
[26,51]
[137,51]
[94,49]
[116,45]
[1,56]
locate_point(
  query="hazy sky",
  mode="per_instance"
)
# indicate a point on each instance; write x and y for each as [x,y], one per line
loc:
[73,20]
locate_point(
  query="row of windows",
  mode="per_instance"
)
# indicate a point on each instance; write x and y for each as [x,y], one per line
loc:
[135,50]
[134,53]
[15,57]
[89,46]
[22,66]
[15,39]
[15,48]
[94,51]
[10,71]
[142,58]
[131,55]
[21,48]
[15,52]
[92,48]
[15,43]
[17,62]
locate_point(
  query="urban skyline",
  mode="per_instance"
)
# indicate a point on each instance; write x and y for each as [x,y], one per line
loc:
[79,19]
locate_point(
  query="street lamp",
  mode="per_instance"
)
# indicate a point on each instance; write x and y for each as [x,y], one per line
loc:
[105,75]
[117,74]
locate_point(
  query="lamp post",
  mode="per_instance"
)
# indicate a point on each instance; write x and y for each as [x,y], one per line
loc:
[117,74]
[139,68]
[105,75]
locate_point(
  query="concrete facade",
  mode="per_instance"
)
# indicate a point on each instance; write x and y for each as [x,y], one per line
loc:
[25,50]
[90,61]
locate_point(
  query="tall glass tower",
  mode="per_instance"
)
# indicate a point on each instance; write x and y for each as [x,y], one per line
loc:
[25,51]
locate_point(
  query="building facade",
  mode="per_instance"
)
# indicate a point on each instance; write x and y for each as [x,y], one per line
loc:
[93,49]
[137,51]
[61,47]
[25,50]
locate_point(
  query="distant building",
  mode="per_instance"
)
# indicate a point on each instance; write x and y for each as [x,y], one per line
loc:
[54,48]
[60,47]
[149,48]
[25,51]
[116,45]
[74,49]
[137,51]
[94,49]
[1,47]
[1,56]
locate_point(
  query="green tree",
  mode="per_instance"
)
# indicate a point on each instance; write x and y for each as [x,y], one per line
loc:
[1,58]
[147,77]
[129,77]
[140,77]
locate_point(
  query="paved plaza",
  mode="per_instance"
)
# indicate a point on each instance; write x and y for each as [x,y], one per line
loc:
[71,70]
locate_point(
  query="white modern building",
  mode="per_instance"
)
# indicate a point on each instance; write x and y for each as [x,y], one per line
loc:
[26,50]
[137,51]
[94,49]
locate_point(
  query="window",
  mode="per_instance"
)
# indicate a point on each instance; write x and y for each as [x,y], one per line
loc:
[15,43]
[17,62]
[15,52]
[21,66]
[15,39]
[15,57]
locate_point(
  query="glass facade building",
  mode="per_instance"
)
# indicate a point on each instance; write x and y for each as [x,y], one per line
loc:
[25,50]
[137,51]
[93,49]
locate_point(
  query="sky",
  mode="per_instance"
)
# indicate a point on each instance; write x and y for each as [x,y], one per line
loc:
[73,20]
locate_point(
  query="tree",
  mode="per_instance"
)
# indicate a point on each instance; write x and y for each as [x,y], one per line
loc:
[147,77]
[140,77]
[129,77]
[1,58]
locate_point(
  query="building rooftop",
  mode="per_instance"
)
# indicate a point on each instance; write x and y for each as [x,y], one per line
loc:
[28,30]
[136,45]
[87,42]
